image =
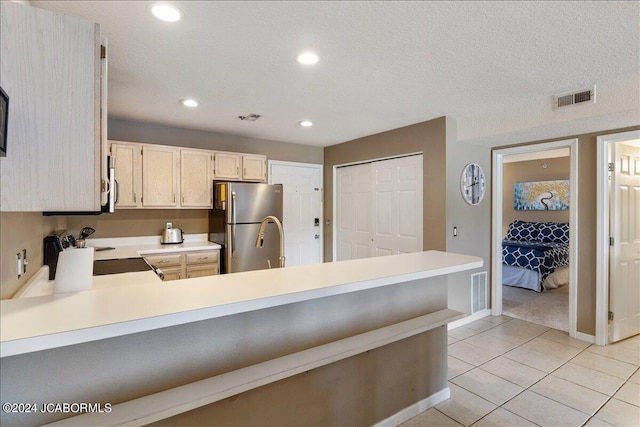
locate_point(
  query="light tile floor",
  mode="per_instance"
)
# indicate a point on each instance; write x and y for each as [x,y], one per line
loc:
[508,372]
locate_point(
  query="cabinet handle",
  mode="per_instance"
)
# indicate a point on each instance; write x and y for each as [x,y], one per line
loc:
[174,198]
[244,171]
[202,258]
[135,198]
[163,261]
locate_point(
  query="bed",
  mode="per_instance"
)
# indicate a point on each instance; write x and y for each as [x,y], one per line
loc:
[535,255]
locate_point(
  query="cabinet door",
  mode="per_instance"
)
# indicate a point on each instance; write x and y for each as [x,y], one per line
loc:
[196,185]
[159,177]
[254,167]
[50,69]
[202,270]
[126,160]
[226,165]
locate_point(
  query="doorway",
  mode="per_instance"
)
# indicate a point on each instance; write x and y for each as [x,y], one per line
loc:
[498,158]
[526,294]
[617,242]
[302,210]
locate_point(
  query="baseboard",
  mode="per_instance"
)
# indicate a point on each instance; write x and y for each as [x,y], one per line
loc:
[415,409]
[471,318]
[585,337]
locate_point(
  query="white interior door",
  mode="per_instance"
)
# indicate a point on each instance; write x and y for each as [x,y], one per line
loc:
[302,210]
[379,208]
[624,271]
[353,208]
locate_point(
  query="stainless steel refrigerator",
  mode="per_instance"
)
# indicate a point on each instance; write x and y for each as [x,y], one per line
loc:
[234,223]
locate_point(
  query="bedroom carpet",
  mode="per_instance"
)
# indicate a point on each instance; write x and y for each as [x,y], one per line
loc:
[549,308]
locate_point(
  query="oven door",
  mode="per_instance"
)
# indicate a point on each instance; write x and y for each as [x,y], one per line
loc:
[119,265]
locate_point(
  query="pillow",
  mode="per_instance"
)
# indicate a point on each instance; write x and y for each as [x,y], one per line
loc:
[554,232]
[522,231]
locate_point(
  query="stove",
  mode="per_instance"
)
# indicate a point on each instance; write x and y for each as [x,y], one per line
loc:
[120,265]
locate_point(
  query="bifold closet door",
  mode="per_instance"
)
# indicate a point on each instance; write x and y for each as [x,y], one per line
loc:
[379,208]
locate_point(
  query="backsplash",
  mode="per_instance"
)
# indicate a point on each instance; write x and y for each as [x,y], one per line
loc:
[140,222]
[18,231]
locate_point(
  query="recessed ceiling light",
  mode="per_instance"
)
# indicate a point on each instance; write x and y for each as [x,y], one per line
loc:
[306,123]
[189,102]
[166,12]
[307,58]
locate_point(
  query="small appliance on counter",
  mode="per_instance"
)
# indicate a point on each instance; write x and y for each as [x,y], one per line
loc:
[170,235]
[53,244]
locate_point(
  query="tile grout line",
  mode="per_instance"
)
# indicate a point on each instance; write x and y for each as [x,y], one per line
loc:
[547,374]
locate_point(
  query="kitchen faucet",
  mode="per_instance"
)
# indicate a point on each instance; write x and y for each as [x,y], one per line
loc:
[260,239]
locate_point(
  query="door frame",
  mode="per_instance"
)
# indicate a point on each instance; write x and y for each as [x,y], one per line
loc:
[334,227]
[496,224]
[602,231]
[317,166]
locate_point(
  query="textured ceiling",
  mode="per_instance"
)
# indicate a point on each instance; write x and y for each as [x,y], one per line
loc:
[492,66]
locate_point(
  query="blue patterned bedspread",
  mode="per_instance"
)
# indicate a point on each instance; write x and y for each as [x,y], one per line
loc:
[542,257]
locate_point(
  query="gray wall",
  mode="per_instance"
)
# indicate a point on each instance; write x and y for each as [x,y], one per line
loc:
[151,133]
[473,222]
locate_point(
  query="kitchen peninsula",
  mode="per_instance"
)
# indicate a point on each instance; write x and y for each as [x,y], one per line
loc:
[376,326]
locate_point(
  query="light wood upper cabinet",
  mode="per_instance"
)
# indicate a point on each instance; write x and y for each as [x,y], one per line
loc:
[126,159]
[196,181]
[159,176]
[254,167]
[227,165]
[51,70]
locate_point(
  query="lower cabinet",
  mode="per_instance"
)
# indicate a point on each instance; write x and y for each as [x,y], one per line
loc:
[186,265]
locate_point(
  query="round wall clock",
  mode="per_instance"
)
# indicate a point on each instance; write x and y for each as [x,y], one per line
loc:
[472,184]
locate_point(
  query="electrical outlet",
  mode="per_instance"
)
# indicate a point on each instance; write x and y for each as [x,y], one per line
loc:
[24,261]
[19,265]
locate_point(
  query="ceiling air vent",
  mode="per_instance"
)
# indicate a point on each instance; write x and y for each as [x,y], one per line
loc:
[250,117]
[587,96]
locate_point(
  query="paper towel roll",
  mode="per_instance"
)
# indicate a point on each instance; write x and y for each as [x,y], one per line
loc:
[75,270]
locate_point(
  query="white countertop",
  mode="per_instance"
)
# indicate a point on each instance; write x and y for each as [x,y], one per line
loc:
[33,324]
[132,247]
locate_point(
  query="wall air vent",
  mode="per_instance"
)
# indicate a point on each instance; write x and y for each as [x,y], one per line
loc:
[250,117]
[478,292]
[586,96]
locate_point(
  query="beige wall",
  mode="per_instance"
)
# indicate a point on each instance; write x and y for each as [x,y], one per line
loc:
[443,206]
[587,162]
[428,138]
[532,170]
[141,222]
[18,231]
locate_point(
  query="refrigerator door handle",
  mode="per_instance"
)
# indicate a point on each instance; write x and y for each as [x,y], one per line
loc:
[233,224]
